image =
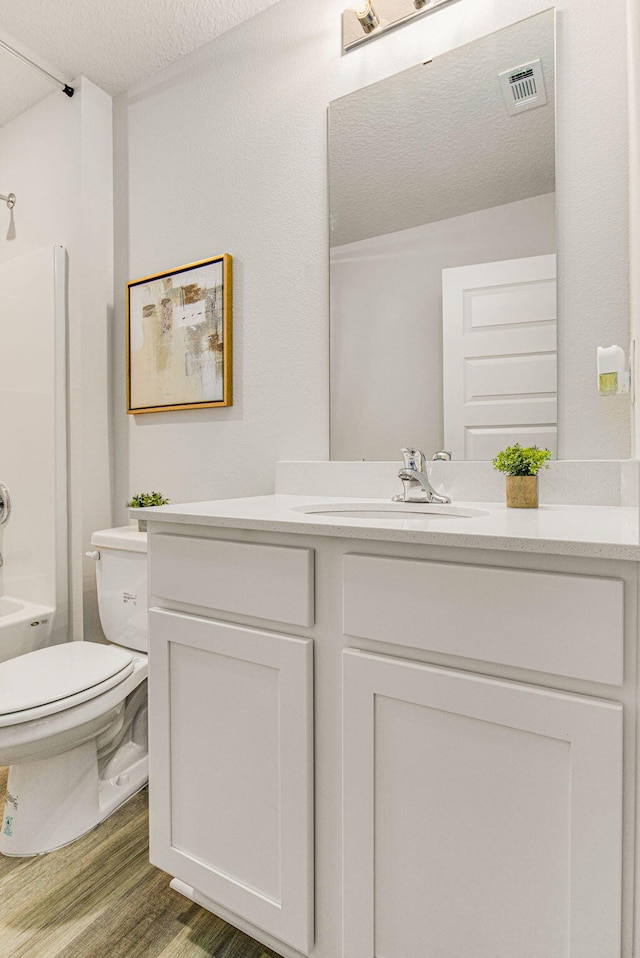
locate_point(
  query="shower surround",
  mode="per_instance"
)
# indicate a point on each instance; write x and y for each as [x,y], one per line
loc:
[33,451]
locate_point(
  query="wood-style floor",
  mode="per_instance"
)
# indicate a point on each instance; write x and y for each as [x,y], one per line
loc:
[100,898]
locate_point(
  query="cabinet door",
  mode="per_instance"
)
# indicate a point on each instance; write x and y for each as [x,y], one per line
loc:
[481,817]
[231,809]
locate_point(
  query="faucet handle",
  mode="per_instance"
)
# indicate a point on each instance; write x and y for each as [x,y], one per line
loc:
[443,455]
[413,459]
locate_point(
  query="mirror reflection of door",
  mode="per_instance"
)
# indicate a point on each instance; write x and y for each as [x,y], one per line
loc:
[431,170]
[499,336]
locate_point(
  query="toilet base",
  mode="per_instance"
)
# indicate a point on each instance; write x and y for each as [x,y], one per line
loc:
[54,801]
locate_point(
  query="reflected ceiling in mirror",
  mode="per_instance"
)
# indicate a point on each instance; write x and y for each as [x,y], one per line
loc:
[442,233]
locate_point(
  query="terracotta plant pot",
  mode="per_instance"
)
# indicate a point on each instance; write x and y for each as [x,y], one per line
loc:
[522,492]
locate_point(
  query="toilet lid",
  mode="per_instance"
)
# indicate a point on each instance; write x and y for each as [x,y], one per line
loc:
[59,671]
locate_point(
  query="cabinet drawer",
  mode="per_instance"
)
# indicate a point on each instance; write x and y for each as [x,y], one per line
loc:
[562,624]
[265,581]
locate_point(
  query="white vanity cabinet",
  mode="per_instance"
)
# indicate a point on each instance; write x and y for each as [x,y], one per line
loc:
[231,744]
[480,815]
[468,744]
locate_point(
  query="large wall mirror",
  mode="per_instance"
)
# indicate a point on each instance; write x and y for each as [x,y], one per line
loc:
[443,242]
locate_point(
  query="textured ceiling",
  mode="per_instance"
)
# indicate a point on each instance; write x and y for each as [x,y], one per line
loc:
[436,141]
[112,42]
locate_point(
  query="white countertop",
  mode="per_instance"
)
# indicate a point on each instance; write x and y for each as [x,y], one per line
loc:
[607,532]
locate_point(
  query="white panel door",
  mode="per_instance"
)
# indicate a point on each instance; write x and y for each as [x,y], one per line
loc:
[231,751]
[482,818]
[500,356]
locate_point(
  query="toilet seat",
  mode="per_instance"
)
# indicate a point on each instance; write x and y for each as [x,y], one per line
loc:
[56,678]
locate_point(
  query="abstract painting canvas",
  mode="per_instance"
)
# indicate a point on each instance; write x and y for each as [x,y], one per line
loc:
[179,338]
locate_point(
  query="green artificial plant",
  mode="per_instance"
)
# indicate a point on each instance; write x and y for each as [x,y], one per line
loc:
[517,460]
[143,499]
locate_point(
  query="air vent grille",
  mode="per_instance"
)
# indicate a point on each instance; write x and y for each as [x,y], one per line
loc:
[523,84]
[523,87]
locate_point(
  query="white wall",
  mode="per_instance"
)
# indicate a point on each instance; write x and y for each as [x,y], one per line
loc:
[633,8]
[225,151]
[57,159]
[386,322]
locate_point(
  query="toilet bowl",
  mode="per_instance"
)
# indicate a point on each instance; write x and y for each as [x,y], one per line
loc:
[73,717]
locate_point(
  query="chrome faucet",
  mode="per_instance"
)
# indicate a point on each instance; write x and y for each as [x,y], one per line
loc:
[413,474]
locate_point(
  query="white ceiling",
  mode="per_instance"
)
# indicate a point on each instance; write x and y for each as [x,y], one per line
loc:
[436,141]
[112,42]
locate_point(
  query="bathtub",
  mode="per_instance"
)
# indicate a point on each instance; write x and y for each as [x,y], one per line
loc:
[24,626]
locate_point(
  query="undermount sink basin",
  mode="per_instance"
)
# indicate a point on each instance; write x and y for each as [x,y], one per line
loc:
[389,510]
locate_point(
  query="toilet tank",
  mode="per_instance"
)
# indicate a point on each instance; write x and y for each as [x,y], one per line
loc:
[121,571]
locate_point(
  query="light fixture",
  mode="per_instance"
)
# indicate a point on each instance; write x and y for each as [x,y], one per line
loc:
[367,16]
[363,21]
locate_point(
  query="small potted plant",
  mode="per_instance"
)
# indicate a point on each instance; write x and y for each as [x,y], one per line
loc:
[521,465]
[141,500]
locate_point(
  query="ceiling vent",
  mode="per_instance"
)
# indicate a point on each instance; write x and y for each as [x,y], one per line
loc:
[523,87]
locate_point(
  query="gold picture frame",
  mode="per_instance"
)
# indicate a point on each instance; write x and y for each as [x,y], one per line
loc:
[178,338]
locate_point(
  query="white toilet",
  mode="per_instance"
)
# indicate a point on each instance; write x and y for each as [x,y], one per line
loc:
[73,717]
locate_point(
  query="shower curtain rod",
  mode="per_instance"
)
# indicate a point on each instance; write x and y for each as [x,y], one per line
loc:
[34,66]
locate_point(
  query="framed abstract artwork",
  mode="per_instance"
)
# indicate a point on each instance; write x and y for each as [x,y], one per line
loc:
[179,338]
